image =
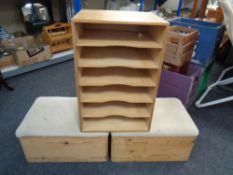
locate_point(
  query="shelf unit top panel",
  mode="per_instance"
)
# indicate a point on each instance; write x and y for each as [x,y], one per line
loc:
[118,17]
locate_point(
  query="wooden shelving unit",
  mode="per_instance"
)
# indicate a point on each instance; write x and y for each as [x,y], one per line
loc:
[118,57]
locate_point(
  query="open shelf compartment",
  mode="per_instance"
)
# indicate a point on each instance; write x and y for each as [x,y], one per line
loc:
[115,124]
[120,35]
[129,94]
[119,57]
[117,76]
[130,110]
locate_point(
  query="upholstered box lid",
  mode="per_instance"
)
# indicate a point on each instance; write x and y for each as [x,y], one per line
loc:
[53,117]
[170,119]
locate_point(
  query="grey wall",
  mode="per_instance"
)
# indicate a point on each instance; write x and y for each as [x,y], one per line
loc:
[11,17]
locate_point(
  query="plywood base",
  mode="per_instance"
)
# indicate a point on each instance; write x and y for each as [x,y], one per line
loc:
[151,149]
[65,149]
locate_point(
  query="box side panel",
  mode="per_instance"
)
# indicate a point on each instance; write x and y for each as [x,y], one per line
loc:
[151,149]
[61,149]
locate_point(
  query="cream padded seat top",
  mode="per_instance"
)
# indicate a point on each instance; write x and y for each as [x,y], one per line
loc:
[170,119]
[53,116]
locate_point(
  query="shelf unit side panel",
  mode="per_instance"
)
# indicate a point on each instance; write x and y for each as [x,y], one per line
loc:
[76,30]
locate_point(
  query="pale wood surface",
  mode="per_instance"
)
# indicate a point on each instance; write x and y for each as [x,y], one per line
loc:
[117,57]
[65,149]
[134,110]
[116,38]
[116,93]
[58,36]
[151,149]
[117,48]
[115,124]
[116,76]
[114,17]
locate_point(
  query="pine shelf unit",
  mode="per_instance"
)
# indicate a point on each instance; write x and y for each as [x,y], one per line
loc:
[118,57]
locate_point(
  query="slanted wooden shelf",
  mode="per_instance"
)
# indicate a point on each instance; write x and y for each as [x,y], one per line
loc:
[129,94]
[118,57]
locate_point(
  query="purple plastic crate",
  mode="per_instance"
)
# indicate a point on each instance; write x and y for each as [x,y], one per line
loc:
[181,86]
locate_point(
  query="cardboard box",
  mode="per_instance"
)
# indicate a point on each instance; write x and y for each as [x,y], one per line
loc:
[6,61]
[28,50]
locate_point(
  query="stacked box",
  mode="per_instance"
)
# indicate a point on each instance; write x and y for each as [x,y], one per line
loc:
[50,133]
[179,48]
[28,50]
[208,40]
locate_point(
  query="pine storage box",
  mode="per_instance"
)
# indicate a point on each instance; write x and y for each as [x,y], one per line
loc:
[171,138]
[28,50]
[50,133]
[118,57]
[58,36]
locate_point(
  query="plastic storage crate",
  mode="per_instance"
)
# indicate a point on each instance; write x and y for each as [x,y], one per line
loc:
[183,87]
[208,41]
